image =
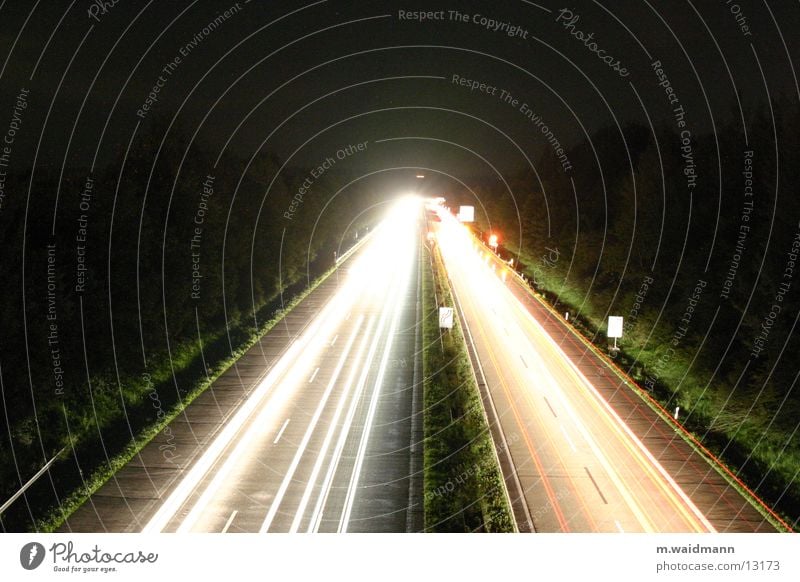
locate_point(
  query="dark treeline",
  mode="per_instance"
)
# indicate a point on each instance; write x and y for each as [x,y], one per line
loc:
[146,263]
[701,263]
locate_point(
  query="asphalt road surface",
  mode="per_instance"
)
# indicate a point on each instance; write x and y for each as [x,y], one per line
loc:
[317,428]
[580,451]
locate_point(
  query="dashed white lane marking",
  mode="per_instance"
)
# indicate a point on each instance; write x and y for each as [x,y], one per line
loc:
[230,521]
[550,406]
[314,375]
[280,432]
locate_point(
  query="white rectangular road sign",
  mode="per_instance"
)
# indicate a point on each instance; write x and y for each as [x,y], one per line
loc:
[466,213]
[446,317]
[614,326]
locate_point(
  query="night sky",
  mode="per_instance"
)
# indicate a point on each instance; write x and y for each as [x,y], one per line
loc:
[302,80]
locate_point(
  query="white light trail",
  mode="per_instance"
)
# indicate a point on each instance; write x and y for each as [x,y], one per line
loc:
[457,246]
[323,451]
[312,425]
[284,379]
[403,266]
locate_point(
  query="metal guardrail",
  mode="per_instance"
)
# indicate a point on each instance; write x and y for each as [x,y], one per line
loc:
[346,255]
[31,481]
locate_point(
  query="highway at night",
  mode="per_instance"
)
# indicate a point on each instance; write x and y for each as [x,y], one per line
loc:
[326,437]
[573,463]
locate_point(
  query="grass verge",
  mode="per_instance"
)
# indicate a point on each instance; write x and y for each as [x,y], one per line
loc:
[187,359]
[463,487]
[726,449]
